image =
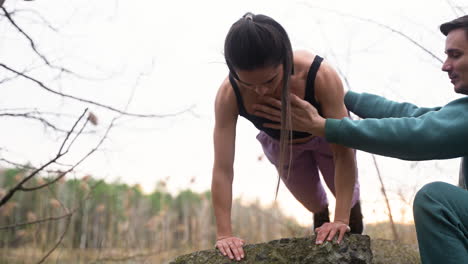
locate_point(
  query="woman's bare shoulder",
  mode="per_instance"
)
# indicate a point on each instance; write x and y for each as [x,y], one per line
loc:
[302,61]
[303,57]
[225,97]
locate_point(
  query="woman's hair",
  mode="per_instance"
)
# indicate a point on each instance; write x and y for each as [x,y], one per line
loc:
[257,41]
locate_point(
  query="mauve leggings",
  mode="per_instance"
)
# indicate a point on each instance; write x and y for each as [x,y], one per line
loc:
[304,181]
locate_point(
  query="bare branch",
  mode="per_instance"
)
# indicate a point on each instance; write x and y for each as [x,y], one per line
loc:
[54,218]
[29,189]
[398,32]
[338,68]
[61,175]
[404,196]
[49,219]
[395,233]
[7,79]
[43,19]
[69,216]
[70,132]
[1,2]
[30,116]
[29,167]
[35,111]
[34,47]
[19,186]
[42,85]
[18,165]
[58,242]
[31,41]
[12,191]
[457,10]
[39,116]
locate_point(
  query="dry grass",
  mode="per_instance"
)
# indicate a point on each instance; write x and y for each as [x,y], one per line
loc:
[388,251]
[392,252]
[406,232]
[88,256]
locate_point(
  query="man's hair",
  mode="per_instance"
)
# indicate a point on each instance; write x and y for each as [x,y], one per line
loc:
[461,22]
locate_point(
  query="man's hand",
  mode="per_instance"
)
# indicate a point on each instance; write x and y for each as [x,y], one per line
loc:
[231,246]
[329,230]
[304,116]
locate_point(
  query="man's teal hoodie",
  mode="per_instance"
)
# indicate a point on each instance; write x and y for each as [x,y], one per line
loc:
[403,130]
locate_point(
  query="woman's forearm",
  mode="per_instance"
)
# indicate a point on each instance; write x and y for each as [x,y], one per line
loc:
[221,190]
[345,179]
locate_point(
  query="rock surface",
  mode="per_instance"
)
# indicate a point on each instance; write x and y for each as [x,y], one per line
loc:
[354,249]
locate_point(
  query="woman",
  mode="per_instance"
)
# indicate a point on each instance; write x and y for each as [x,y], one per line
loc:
[262,64]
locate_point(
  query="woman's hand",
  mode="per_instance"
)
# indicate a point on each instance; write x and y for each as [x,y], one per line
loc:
[304,116]
[231,246]
[328,231]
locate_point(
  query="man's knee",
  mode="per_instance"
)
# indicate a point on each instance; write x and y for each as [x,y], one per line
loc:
[428,194]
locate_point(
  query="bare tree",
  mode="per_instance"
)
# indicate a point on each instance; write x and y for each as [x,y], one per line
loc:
[53,122]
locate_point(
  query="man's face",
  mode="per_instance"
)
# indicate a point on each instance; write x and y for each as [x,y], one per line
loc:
[456,64]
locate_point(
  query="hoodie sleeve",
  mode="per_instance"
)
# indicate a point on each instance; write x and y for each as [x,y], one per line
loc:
[367,105]
[423,134]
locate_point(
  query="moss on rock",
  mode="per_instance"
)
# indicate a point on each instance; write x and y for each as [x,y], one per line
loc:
[354,249]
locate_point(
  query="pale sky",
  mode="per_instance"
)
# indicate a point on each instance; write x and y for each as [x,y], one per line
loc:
[170,54]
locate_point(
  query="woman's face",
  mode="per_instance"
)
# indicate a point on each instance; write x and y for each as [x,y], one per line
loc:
[262,81]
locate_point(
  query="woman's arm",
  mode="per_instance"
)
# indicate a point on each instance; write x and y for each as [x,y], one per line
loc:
[221,185]
[330,94]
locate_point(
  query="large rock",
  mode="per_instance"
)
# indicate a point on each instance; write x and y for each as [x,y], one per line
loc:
[354,249]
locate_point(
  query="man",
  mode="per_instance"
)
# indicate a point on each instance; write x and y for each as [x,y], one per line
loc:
[405,131]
